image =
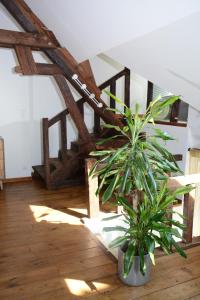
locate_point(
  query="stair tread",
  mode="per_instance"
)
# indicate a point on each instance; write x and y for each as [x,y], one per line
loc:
[40,170]
[78,180]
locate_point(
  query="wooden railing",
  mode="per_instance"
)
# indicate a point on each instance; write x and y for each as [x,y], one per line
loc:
[188,204]
[62,117]
[174,182]
[112,84]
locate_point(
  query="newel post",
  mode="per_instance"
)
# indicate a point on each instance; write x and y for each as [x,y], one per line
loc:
[45,128]
[63,132]
[188,212]
[92,185]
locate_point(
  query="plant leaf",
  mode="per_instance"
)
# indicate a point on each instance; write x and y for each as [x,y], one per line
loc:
[118,242]
[129,259]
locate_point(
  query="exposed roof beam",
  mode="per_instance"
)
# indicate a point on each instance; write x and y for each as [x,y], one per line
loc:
[9,38]
[27,19]
[43,69]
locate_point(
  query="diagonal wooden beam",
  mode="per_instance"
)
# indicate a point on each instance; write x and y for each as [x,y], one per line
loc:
[87,69]
[59,57]
[74,111]
[24,16]
[9,38]
[27,19]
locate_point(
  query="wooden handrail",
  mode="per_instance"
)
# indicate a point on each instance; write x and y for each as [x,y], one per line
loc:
[125,72]
[175,182]
[108,82]
[188,202]
[65,112]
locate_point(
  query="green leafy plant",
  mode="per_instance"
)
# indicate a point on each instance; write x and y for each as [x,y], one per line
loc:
[147,226]
[141,163]
[136,175]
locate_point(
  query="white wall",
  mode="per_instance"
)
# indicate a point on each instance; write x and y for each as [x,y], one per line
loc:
[168,56]
[14,116]
[194,128]
[180,145]
[24,101]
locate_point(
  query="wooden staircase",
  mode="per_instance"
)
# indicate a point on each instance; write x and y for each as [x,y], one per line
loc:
[67,168]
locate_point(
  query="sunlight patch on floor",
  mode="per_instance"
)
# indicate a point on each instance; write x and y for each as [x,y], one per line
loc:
[78,287]
[83,288]
[79,210]
[50,215]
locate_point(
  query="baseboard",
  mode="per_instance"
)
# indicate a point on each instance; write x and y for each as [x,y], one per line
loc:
[17,179]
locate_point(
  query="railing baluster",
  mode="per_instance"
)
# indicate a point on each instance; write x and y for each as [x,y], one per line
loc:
[92,184]
[63,132]
[112,91]
[175,111]
[127,87]
[188,212]
[45,127]
[97,123]
[81,107]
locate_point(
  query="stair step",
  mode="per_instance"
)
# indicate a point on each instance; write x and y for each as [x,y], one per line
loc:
[39,171]
[55,163]
[65,154]
[76,180]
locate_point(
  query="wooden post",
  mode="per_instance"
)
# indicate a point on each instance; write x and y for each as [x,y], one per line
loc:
[2,163]
[26,60]
[112,91]
[74,111]
[45,127]
[63,132]
[80,105]
[97,123]
[92,185]
[127,87]
[188,212]
[175,111]
[149,92]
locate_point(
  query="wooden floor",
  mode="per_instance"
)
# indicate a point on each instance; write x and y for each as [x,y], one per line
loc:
[47,254]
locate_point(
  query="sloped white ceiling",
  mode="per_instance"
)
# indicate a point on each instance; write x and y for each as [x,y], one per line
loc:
[89,27]
[169,57]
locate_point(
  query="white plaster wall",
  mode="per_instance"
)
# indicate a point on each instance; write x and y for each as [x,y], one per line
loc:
[14,116]
[168,57]
[194,128]
[179,145]
[24,101]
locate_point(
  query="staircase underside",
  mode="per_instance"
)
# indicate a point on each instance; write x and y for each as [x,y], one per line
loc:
[39,172]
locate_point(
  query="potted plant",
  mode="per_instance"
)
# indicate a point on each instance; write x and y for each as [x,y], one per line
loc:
[150,225]
[136,174]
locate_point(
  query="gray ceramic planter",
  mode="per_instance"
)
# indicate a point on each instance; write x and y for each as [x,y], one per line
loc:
[135,277]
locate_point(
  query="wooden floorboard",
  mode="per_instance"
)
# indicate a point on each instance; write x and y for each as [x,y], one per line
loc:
[47,254]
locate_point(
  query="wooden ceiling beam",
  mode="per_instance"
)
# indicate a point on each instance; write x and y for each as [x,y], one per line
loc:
[10,38]
[27,19]
[43,69]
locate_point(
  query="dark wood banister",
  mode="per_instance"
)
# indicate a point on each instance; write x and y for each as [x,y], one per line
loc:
[125,72]
[61,117]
